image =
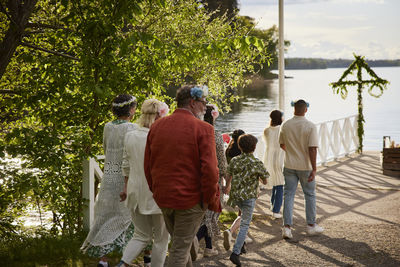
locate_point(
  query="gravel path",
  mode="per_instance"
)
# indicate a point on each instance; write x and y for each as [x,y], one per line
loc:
[358,207]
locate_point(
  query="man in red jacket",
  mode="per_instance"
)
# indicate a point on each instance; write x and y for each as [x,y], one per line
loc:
[181,169]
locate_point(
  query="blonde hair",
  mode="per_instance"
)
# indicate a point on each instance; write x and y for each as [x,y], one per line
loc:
[149,110]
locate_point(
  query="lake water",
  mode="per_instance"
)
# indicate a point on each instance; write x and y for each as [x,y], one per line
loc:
[382,115]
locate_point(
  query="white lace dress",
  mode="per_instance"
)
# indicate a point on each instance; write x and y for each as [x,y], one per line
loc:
[112,227]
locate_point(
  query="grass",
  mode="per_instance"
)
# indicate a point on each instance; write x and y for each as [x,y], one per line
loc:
[42,249]
[48,251]
[226,219]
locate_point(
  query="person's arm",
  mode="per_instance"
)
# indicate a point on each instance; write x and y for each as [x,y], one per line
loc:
[123,194]
[281,138]
[125,168]
[312,152]
[147,163]
[227,188]
[283,146]
[219,142]
[263,173]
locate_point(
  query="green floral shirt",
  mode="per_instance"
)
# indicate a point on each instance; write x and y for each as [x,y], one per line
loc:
[246,170]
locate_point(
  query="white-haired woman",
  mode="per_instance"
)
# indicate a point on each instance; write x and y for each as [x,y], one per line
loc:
[112,227]
[146,215]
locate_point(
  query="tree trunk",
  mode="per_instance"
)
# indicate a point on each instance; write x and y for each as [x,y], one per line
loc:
[18,13]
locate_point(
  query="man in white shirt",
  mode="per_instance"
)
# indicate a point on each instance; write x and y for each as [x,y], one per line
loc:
[298,137]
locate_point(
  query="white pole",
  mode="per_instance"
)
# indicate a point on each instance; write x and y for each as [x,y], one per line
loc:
[281,59]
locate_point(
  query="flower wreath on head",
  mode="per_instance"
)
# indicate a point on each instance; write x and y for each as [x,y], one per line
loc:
[294,102]
[214,111]
[133,99]
[197,92]
[163,110]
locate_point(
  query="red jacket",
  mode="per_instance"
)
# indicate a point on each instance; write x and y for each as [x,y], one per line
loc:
[180,162]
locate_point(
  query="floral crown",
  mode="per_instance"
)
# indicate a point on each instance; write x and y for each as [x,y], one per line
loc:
[300,100]
[133,99]
[163,110]
[198,92]
[214,111]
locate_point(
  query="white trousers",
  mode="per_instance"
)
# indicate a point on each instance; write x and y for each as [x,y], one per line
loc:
[145,226]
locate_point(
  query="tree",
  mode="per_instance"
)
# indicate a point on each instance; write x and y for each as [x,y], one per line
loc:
[220,8]
[270,39]
[359,64]
[74,57]
[17,13]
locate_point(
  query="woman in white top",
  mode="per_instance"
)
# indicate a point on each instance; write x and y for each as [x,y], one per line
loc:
[146,215]
[273,161]
[112,227]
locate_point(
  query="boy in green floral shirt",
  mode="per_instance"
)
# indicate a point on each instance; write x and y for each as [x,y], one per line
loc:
[244,172]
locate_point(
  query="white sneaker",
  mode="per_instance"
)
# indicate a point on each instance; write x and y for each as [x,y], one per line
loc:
[209,252]
[248,240]
[227,239]
[276,215]
[287,233]
[314,230]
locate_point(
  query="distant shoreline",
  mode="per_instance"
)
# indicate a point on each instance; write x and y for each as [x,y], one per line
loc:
[321,63]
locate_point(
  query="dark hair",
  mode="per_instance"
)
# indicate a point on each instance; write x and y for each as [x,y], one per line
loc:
[300,105]
[247,143]
[125,109]
[183,95]
[208,116]
[233,149]
[276,117]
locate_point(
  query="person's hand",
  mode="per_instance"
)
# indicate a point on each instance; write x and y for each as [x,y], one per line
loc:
[122,196]
[312,176]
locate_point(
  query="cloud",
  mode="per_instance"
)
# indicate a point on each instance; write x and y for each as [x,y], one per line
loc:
[300,2]
[334,28]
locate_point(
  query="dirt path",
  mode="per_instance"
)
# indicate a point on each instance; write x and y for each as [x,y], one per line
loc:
[358,207]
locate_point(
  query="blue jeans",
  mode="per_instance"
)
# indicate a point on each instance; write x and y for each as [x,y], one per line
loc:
[276,198]
[247,207]
[292,177]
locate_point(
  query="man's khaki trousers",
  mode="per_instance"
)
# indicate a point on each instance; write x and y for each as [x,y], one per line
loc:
[182,225]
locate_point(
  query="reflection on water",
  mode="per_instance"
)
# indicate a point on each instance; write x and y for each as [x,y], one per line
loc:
[382,114]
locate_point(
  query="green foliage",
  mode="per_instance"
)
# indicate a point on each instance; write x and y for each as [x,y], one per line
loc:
[375,84]
[269,39]
[47,250]
[77,55]
[227,217]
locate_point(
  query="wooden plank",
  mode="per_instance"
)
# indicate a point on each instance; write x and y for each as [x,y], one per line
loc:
[391,160]
[391,166]
[395,152]
[391,173]
[390,155]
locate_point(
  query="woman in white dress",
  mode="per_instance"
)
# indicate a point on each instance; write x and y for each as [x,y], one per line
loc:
[146,215]
[273,161]
[112,227]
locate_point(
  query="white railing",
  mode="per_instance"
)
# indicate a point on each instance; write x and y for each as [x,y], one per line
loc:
[337,138]
[91,171]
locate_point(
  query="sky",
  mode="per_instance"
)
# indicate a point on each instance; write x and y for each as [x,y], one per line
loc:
[333,28]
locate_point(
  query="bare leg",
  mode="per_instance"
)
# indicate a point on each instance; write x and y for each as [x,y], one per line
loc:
[236,223]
